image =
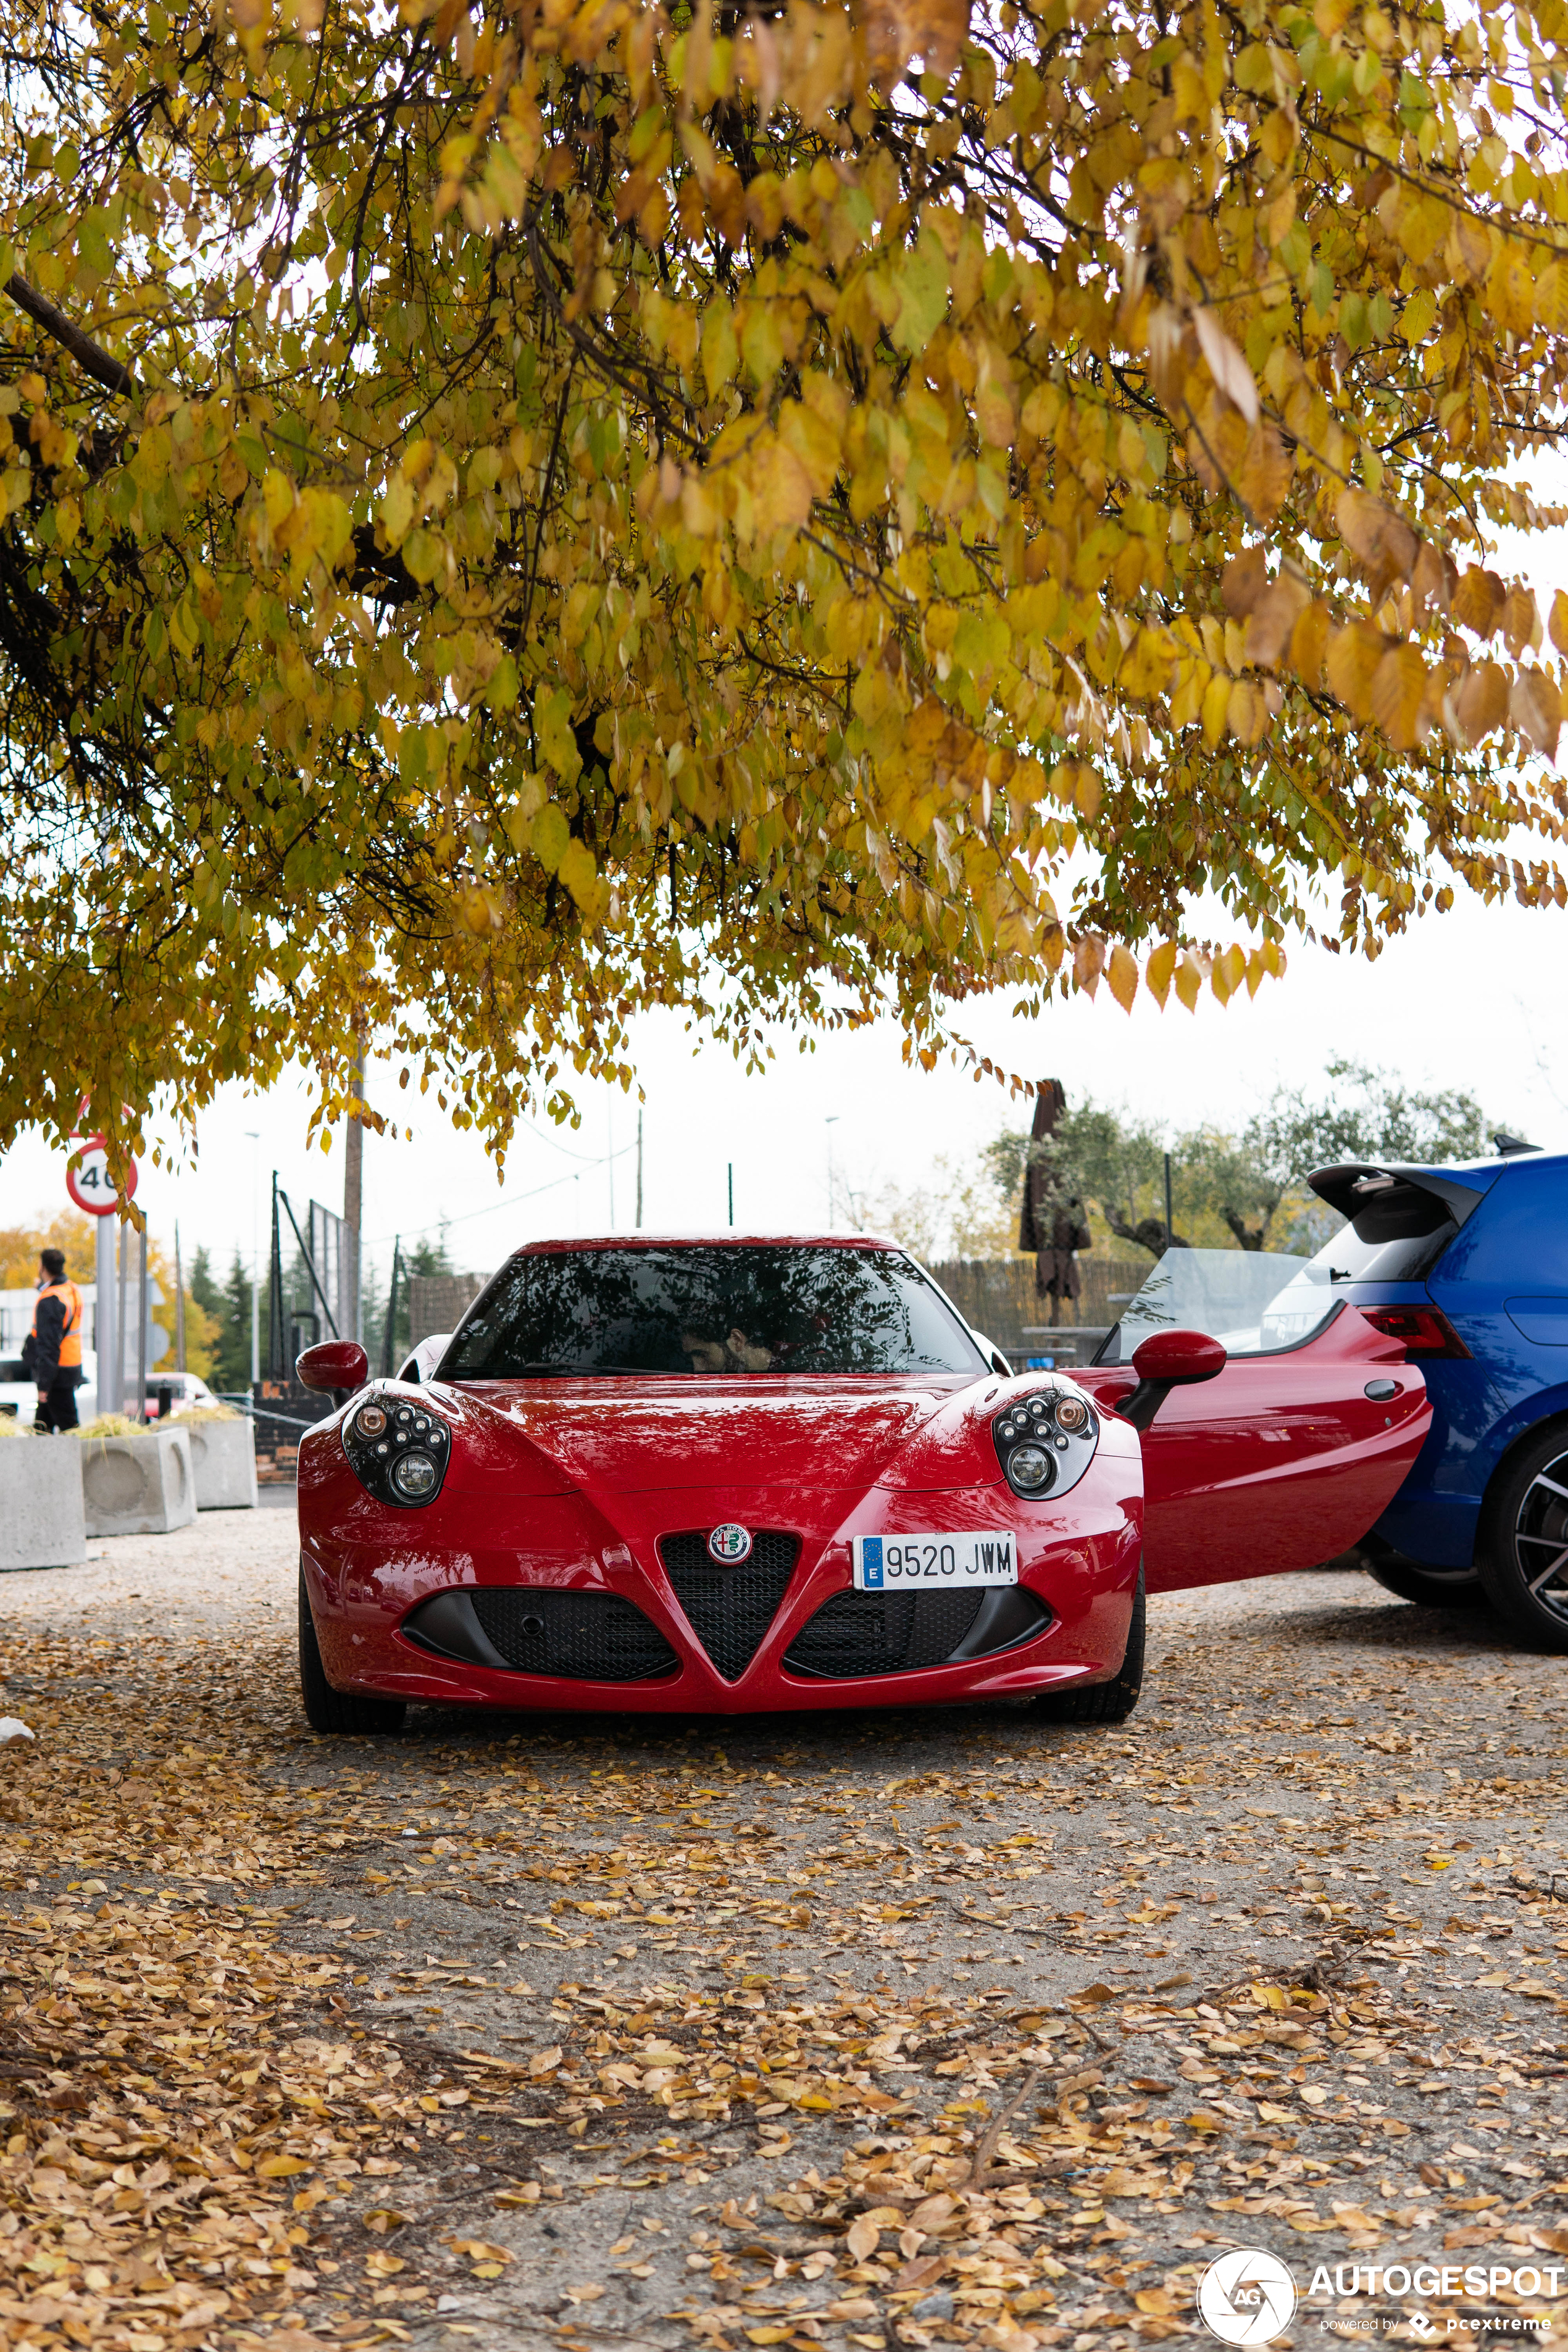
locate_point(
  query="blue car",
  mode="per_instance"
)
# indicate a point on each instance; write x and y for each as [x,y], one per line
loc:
[1469,1265]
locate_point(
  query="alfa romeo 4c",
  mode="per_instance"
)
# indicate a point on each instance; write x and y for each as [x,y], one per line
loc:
[721,1475]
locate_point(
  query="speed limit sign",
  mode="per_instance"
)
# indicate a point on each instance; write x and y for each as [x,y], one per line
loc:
[88,1182]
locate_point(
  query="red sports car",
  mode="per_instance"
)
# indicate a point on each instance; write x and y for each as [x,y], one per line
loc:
[731,1476]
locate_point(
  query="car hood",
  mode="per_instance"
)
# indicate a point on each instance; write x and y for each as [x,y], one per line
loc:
[632,1437]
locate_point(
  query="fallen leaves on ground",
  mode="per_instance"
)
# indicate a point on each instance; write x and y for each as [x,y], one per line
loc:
[174,2135]
[217,2139]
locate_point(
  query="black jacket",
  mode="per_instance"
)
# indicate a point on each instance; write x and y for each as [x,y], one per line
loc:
[44,1348]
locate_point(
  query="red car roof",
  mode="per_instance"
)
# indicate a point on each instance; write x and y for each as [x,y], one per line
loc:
[723,1239]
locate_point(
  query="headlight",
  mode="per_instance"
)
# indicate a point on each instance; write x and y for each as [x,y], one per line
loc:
[1030,1466]
[416,1477]
[398,1449]
[1045,1442]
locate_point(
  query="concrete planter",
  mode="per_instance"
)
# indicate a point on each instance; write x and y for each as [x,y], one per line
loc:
[42,1523]
[223,1458]
[137,1486]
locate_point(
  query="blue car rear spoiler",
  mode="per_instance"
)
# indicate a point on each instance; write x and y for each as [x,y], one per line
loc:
[1362,1184]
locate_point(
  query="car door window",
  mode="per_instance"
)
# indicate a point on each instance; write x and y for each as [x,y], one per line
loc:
[1254,1302]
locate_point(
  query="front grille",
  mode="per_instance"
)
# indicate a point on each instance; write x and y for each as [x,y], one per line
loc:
[588,1637]
[729,1608]
[883,1632]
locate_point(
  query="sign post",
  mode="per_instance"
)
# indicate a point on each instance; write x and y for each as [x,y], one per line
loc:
[108,1332]
[90,1186]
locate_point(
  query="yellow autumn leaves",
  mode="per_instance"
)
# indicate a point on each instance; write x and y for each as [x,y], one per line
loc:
[853,507]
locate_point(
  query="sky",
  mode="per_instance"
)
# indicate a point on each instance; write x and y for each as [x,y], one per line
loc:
[1470,999]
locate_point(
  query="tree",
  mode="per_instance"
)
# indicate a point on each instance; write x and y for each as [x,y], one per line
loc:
[67,1230]
[203,1288]
[231,1355]
[790,516]
[1103,1157]
[1230,1189]
[1368,1115]
[956,1213]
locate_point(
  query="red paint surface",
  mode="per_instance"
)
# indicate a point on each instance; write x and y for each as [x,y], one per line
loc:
[1279,1462]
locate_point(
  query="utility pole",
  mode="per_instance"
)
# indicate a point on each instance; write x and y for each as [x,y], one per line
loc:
[179,1304]
[832,1224]
[255,1135]
[351,1310]
[731,1171]
[639,1168]
[1170,1226]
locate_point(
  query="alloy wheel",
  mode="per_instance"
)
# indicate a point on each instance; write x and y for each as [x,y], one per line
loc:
[1541,1538]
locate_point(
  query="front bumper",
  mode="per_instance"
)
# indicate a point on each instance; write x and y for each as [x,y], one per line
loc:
[414,1609]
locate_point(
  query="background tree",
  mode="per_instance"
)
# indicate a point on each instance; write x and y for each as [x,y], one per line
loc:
[1246,1190]
[231,1371]
[511,520]
[67,1230]
[1113,1163]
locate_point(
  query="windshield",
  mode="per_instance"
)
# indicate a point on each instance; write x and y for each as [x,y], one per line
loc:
[1252,1301]
[730,1310]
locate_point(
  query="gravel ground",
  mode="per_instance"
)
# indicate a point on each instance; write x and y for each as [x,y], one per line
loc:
[890,2028]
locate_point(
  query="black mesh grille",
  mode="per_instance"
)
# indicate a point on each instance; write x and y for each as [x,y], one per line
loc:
[591,1637]
[731,1608]
[883,1632]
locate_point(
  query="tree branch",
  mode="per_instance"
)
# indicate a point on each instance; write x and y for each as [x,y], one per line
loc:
[100,364]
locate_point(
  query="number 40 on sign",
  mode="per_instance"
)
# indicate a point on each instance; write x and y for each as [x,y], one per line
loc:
[87,1180]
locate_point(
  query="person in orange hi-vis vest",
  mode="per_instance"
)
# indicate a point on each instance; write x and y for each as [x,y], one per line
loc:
[54,1351]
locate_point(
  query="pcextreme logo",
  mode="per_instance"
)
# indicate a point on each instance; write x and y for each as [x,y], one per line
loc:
[1246,2297]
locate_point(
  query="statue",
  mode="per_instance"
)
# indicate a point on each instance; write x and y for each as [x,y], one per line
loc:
[1052,1223]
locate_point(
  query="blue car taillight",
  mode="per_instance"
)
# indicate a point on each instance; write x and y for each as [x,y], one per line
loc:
[1425,1330]
[398,1450]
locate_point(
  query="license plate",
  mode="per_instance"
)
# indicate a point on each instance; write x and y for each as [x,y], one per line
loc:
[929,1563]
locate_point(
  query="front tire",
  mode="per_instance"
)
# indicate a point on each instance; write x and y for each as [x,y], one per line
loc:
[1429,1588]
[327,1709]
[1522,1553]
[1110,1702]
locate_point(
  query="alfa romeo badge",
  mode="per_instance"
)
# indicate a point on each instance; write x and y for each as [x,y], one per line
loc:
[729,1543]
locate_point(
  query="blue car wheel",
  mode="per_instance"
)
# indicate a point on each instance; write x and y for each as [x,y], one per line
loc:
[1523,1554]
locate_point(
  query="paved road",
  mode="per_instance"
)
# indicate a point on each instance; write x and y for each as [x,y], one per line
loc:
[913,2028]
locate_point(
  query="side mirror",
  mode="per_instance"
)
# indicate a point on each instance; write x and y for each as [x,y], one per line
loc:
[993,1356]
[333,1364]
[1167,1361]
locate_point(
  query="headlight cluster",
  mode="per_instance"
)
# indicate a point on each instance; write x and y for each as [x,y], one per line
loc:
[398,1451]
[1045,1442]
